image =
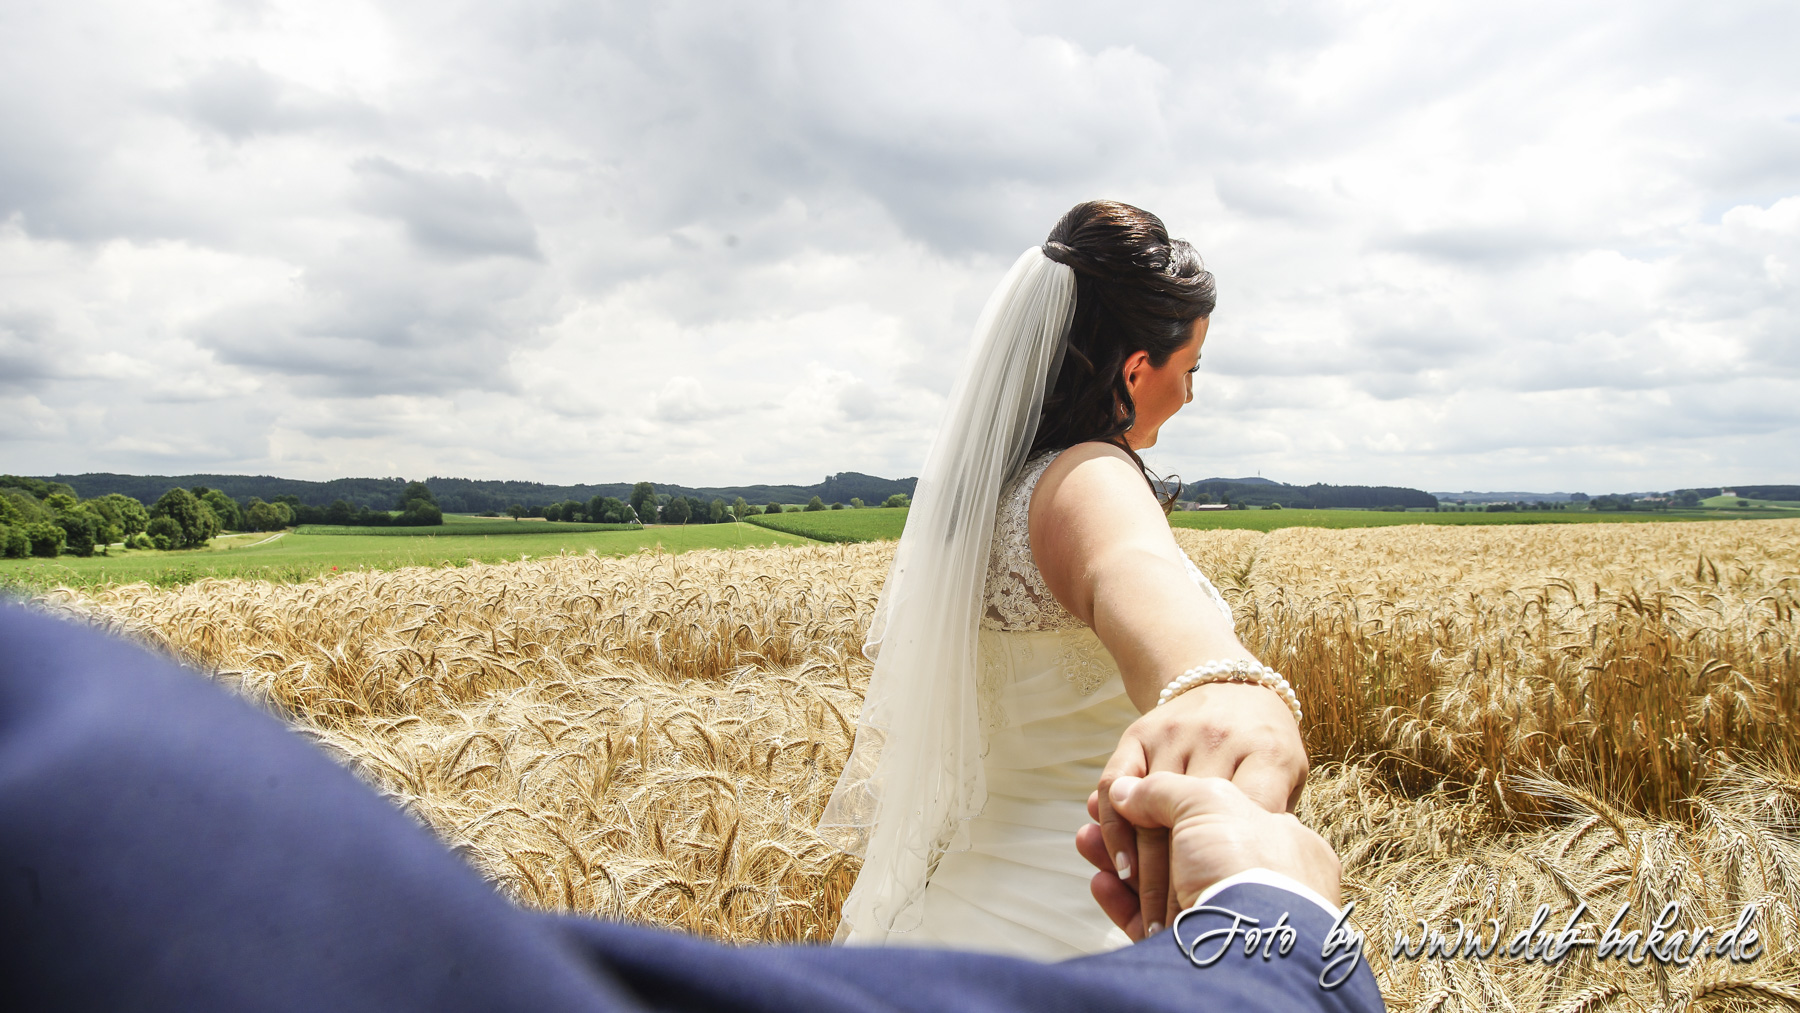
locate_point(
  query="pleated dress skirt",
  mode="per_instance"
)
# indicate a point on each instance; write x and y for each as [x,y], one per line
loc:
[1055,708]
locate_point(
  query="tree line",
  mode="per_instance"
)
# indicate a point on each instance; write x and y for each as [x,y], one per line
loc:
[645,505]
[1317,496]
[39,518]
[471,496]
[417,508]
[47,519]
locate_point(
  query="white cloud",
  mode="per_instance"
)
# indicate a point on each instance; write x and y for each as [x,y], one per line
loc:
[683,399]
[241,100]
[1539,245]
[457,215]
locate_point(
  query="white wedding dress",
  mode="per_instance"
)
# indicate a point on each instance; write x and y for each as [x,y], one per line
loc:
[1053,707]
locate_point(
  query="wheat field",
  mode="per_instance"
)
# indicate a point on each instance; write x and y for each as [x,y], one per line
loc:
[1498,718]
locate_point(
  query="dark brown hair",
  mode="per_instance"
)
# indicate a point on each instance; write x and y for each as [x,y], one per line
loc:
[1135,290]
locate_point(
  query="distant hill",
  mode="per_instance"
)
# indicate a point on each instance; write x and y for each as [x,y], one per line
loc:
[462,495]
[1775,492]
[1505,497]
[1788,493]
[1263,492]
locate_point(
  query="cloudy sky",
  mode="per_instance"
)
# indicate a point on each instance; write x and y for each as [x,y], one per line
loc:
[1511,246]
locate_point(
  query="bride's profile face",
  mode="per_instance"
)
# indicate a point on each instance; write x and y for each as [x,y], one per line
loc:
[1160,391]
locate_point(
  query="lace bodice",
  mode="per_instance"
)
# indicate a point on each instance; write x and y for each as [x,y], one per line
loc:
[1015,597]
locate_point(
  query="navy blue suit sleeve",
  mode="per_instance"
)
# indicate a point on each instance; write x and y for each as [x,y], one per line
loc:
[164,846]
[1153,975]
[1240,941]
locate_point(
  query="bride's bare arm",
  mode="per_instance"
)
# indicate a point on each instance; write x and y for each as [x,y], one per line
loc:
[1106,553]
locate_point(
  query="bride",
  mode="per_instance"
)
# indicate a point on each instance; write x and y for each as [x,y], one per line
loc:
[1037,611]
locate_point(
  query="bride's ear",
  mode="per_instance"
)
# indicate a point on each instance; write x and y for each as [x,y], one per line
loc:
[1134,368]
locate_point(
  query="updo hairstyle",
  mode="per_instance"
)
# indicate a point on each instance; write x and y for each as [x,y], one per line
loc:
[1135,290]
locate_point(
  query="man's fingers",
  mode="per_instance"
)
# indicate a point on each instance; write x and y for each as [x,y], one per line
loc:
[1153,877]
[1120,836]
[1163,800]
[1091,846]
[1114,895]
[1174,901]
[1265,781]
[1119,903]
[1153,884]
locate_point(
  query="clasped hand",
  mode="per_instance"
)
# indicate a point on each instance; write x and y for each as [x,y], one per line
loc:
[1214,831]
[1240,733]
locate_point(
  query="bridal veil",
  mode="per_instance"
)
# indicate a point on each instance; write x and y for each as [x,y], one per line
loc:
[914,775]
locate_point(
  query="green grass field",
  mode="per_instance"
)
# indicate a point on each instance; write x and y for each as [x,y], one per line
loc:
[1731,503]
[1269,520]
[465,524]
[876,523]
[870,524]
[304,553]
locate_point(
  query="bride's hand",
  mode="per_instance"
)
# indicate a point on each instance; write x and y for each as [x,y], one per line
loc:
[1243,733]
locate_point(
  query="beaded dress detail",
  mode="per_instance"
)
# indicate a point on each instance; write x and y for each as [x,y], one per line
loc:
[1053,707]
[1015,595]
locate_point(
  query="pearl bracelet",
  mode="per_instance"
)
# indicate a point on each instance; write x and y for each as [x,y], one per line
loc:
[1232,670]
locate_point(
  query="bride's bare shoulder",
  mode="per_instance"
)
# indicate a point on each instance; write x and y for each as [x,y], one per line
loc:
[1097,481]
[1097,462]
[1091,501]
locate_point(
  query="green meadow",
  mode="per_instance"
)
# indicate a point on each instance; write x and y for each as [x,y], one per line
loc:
[870,524]
[1269,520]
[1743,504]
[463,524]
[875,524]
[316,550]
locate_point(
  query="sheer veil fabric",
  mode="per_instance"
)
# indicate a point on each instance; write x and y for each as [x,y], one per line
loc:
[914,776]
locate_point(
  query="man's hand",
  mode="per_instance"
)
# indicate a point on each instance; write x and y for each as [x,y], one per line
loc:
[1215,831]
[1231,730]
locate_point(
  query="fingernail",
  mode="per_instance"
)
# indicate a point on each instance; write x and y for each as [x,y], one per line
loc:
[1121,789]
[1155,927]
[1123,864]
